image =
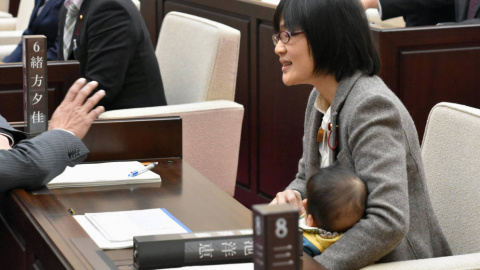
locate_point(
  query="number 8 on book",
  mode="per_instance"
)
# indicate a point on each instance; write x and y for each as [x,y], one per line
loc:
[276,237]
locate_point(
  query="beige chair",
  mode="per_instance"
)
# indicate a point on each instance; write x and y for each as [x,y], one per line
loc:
[451,155]
[198,60]
[11,29]
[19,23]
[4,5]
[374,19]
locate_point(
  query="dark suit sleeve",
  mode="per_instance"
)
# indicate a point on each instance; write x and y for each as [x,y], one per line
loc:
[52,52]
[33,163]
[395,8]
[111,47]
[15,56]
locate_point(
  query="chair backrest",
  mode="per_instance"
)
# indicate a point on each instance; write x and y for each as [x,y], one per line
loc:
[451,155]
[374,19]
[198,59]
[4,4]
[25,9]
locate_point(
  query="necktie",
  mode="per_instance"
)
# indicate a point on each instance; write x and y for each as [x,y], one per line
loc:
[68,30]
[471,9]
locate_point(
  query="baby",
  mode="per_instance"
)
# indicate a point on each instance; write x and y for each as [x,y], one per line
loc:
[335,202]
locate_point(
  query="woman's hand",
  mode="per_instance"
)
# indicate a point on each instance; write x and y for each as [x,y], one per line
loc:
[4,143]
[289,196]
[370,4]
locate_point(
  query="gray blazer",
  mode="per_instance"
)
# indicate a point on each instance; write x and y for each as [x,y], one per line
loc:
[33,163]
[376,138]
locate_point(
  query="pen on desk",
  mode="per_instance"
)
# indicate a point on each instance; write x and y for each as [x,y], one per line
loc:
[147,168]
[71,211]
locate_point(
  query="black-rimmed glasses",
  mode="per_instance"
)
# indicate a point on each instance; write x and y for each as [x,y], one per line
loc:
[284,36]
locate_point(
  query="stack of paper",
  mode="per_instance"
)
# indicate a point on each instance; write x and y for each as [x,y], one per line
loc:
[275,2]
[113,230]
[103,174]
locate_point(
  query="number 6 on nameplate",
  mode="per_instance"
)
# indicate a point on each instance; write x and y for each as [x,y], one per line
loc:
[276,237]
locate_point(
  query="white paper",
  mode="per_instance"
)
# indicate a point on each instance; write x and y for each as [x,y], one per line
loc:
[112,230]
[102,174]
[97,237]
[275,2]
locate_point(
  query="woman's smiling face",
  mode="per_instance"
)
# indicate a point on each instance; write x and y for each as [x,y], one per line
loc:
[296,59]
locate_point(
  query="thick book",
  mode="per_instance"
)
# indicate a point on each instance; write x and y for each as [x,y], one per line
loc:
[187,249]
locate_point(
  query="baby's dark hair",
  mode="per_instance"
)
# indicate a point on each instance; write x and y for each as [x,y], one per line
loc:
[335,193]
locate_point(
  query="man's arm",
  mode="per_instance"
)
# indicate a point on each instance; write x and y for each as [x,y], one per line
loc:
[112,37]
[33,163]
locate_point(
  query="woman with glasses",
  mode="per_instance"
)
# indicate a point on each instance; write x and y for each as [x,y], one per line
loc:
[354,119]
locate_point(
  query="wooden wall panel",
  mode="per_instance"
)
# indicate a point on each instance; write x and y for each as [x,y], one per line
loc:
[433,76]
[428,65]
[281,117]
[148,9]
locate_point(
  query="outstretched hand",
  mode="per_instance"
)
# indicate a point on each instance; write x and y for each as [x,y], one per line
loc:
[370,4]
[74,113]
[4,143]
[291,197]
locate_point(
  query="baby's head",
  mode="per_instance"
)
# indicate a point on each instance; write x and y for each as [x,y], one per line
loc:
[335,200]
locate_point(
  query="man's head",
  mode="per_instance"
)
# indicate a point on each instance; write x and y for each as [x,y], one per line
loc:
[336,199]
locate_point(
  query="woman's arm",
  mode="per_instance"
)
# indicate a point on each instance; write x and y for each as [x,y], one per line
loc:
[377,147]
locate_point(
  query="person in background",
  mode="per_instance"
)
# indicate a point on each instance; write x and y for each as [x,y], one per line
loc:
[354,119]
[44,21]
[33,163]
[428,12]
[335,202]
[110,40]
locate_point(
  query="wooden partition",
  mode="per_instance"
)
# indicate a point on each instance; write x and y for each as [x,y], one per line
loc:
[61,75]
[135,139]
[148,9]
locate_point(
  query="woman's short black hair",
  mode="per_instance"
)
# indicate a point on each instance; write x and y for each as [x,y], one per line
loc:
[337,32]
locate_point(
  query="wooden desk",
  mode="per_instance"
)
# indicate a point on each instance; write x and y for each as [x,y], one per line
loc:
[42,228]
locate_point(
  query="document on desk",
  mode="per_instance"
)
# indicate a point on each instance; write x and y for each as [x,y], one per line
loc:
[103,174]
[114,230]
